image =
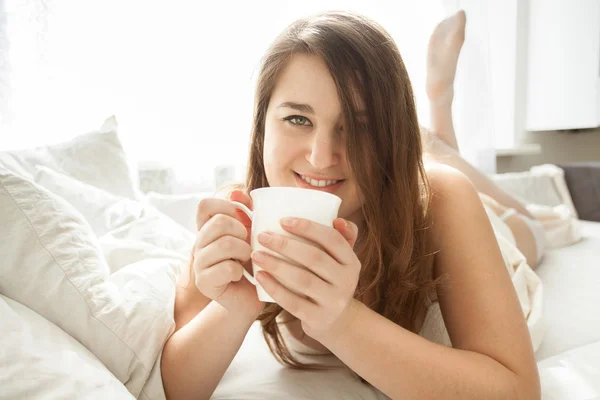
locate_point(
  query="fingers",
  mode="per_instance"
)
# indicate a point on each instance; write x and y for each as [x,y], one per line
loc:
[309,256]
[296,305]
[212,280]
[241,197]
[221,247]
[334,241]
[209,207]
[298,279]
[347,229]
[217,226]
[224,248]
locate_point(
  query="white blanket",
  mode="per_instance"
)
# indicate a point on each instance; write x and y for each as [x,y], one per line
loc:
[98,267]
[39,360]
[572,375]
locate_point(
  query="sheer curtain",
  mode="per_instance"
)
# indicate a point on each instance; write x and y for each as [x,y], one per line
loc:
[178,75]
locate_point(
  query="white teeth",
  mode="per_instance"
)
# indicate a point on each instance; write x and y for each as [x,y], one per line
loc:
[317,183]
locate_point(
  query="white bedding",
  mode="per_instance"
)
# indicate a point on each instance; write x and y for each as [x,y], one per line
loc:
[571,277]
[96,158]
[54,264]
[573,375]
[85,256]
[38,360]
[87,275]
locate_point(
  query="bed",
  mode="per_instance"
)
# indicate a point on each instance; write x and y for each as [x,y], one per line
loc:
[89,263]
[569,356]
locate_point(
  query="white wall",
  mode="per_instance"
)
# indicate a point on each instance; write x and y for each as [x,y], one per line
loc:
[564,63]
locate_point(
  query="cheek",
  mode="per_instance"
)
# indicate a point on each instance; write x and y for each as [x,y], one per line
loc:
[281,149]
[272,147]
[269,147]
[278,155]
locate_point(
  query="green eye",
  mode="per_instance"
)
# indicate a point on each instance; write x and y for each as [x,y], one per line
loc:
[298,120]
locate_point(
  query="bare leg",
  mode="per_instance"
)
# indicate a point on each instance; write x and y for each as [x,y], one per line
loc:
[444,48]
[442,58]
[441,145]
[440,151]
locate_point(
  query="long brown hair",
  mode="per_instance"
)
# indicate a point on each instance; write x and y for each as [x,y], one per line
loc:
[386,159]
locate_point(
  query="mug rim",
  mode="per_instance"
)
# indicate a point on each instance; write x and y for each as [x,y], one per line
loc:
[284,188]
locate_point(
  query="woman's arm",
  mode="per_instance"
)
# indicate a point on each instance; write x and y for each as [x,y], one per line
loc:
[195,357]
[492,356]
[208,333]
[188,299]
[206,338]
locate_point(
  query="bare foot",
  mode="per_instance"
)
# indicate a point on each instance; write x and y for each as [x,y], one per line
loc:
[444,47]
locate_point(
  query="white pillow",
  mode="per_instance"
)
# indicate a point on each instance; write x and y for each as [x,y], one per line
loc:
[542,184]
[52,263]
[40,361]
[96,158]
[180,207]
[129,231]
[122,217]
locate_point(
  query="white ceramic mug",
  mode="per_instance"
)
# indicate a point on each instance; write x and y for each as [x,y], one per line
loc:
[273,203]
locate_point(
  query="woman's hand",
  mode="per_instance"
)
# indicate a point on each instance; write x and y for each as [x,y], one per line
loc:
[319,292]
[222,247]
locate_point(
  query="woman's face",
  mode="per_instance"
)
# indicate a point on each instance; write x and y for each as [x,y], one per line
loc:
[305,134]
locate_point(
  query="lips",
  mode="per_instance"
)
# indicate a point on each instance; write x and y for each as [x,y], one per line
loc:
[319,182]
[328,185]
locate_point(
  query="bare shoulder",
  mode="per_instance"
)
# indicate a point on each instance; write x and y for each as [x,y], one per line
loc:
[447,181]
[455,202]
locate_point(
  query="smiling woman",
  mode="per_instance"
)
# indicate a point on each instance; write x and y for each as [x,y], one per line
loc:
[304,139]
[334,111]
[346,85]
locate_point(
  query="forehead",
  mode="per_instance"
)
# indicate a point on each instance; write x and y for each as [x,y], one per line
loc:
[307,80]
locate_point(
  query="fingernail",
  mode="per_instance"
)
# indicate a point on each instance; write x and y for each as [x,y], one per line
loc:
[289,222]
[346,223]
[258,256]
[265,237]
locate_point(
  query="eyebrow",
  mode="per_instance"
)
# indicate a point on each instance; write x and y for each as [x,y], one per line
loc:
[307,108]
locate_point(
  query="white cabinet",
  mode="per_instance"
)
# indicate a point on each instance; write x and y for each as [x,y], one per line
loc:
[563,65]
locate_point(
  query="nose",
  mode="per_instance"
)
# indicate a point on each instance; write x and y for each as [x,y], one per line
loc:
[324,151]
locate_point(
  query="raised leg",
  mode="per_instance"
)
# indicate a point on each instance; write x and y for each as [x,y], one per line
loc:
[440,142]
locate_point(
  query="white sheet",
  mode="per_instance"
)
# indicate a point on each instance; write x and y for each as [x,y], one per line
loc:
[573,375]
[571,278]
[254,374]
[39,361]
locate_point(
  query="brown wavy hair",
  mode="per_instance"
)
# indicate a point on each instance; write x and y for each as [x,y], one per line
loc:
[386,159]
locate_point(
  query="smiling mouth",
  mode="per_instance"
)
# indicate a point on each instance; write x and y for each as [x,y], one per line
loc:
[319,183]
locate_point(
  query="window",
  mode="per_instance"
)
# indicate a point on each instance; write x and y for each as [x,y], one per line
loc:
[178,75]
